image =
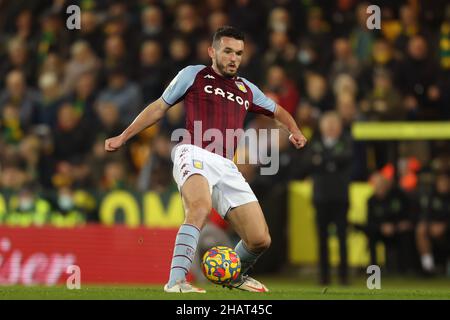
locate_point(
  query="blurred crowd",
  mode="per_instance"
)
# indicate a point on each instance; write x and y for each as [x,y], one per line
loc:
[62,92]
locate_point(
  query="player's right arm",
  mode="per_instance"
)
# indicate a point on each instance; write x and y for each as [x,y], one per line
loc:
[148,117]
[156,110]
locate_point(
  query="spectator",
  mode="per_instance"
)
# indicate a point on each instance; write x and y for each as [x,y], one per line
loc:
[180,54]
[416,75]
[247,15]
[29,151]
[114,176]
[391,25]
[444,51]
[382,58]
[29,209]
[383,103]
[187,23]
[201,52]
[13,176]
[90,32]
[53,63]
[109,120]
[18,59]
[68,210]
[342,17]
[25,28]
[279,20]
[362,38]
[318,35]
[409,27]
[50,100]
[115,54]
[281,51]
[389,221]
[21,97]
[84,97]
[152,71]
[317,94]
[216,20]
[53,37]
[117,24]
[152,25]
[83,61]
[308,117]
[72,138]
[215,5]
[440,94]
[11,129]
[282,88]
[345,83]
[432,229]
[347,110]
[344,60]
[122,92]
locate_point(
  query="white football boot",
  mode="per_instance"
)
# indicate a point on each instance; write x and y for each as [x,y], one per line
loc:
[183,287]
[248,284]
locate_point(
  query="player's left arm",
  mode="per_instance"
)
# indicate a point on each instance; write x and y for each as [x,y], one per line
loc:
[296,136]
[263,105]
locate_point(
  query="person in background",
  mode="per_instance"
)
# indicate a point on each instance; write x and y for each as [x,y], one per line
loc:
[152,70]
[284,90]
[83,60]
[317,93]
[123,92]
[330,157]
[50,100]
[18,59]
[389,221]
[27,208]
[416,75]
[361,37]
[383,102]
[433,228]
[22,97]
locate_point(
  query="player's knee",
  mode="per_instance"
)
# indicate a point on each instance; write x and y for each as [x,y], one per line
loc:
[260,243]
[197,213]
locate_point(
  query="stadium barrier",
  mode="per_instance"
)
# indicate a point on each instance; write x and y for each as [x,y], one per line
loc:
[105,255]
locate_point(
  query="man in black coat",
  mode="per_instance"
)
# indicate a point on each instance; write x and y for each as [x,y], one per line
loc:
[390,221]
[330,157]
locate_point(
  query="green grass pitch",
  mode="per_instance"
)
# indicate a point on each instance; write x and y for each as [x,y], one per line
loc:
[281,289]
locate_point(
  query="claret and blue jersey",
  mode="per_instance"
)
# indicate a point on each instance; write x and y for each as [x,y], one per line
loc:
[216,101]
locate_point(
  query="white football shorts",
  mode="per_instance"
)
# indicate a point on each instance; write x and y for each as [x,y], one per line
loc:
[227,186]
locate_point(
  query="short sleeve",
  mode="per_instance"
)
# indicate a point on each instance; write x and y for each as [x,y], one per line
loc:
[261,103]
[181,84]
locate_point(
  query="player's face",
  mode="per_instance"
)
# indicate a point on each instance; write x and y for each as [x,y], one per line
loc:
[227,55]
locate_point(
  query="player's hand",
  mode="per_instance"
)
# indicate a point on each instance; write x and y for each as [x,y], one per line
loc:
[298,140]
[113,144]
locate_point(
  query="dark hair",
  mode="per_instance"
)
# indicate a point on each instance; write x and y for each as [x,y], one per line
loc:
[228,31]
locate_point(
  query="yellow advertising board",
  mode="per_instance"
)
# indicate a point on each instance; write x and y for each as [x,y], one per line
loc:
[303,242]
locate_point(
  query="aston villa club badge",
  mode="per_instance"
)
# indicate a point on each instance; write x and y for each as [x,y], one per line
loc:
[198,164]
[241,86]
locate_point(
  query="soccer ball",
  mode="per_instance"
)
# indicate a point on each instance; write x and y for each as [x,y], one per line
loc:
[221,265]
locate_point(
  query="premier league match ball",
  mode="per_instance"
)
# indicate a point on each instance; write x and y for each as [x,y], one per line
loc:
[221,265]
